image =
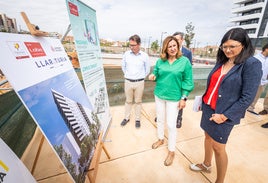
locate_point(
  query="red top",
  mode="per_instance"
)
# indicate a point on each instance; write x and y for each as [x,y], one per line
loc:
[211,95]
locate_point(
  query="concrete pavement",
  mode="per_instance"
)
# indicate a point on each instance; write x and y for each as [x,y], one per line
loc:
[134,161]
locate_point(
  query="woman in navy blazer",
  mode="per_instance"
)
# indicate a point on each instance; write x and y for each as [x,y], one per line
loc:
[231,87]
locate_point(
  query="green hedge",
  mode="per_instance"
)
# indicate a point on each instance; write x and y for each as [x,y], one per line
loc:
[16,125]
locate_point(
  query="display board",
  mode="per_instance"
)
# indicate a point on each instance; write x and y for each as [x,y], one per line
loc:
[12,170]
[42,75]
[85,31]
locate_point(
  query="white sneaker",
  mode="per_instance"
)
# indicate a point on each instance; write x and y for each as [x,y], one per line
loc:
[203,168]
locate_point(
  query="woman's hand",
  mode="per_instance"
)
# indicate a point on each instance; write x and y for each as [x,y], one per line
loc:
[151,77]
[218,118]
[181,104]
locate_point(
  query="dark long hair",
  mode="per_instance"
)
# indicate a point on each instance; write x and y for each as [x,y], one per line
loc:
[240,35]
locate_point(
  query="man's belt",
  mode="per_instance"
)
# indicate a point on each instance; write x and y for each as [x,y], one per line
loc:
[134,80]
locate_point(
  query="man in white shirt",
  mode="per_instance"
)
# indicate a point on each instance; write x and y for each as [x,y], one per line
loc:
[263,57]
[135,66]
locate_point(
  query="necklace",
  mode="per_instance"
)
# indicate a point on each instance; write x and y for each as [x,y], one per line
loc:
[231,61]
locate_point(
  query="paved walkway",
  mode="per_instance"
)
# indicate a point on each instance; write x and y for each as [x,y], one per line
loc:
[134,161]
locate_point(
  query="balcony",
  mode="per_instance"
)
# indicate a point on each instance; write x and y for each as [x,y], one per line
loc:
[249,26]
[240,9]
[240,1]
[246,17]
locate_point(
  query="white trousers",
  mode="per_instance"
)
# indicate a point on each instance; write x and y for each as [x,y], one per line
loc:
[167,111]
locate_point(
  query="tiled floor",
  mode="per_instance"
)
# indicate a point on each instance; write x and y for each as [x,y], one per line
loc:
[134,161]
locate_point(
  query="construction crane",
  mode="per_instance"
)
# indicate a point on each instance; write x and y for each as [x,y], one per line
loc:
[34,29]
[66,33]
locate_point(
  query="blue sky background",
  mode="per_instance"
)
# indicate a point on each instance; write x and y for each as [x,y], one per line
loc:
[40,102]
[118,19]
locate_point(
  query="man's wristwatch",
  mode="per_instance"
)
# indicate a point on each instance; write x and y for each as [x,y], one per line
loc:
[184,98]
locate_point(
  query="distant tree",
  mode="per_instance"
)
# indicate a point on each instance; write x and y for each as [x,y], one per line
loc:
[3,30]
[127,44]
[189,34]
[67,160]
[86,148]
[106,43]
[154,46]
[263,42]
[94,128]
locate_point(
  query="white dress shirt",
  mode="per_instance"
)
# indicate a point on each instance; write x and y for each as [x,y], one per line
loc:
[264,61]
[135,66]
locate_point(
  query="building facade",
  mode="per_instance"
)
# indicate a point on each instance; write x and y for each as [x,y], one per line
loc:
[76,117]
[251,15]
[8,24]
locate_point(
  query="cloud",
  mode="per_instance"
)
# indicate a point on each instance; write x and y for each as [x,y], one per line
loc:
[150,18]
[118,19]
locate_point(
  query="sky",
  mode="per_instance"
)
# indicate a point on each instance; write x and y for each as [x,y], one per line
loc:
[119,19]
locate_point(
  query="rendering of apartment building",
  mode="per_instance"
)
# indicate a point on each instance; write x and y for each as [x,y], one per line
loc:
[8,24]
[251,15]
[76,117]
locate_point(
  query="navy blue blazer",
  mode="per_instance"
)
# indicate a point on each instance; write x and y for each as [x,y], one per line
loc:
[187,53]
[237,89]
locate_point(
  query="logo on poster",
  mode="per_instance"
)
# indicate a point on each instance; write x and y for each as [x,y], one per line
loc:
[18,49]
[3,174]
[73,9]
[56,48]
[35,49]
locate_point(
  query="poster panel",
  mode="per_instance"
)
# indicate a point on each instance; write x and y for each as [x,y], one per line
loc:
[12,170]
[84,28]
[42,75]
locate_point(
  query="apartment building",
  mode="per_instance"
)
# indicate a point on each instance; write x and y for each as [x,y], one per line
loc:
[252,15]
[76,117]
[8,24]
